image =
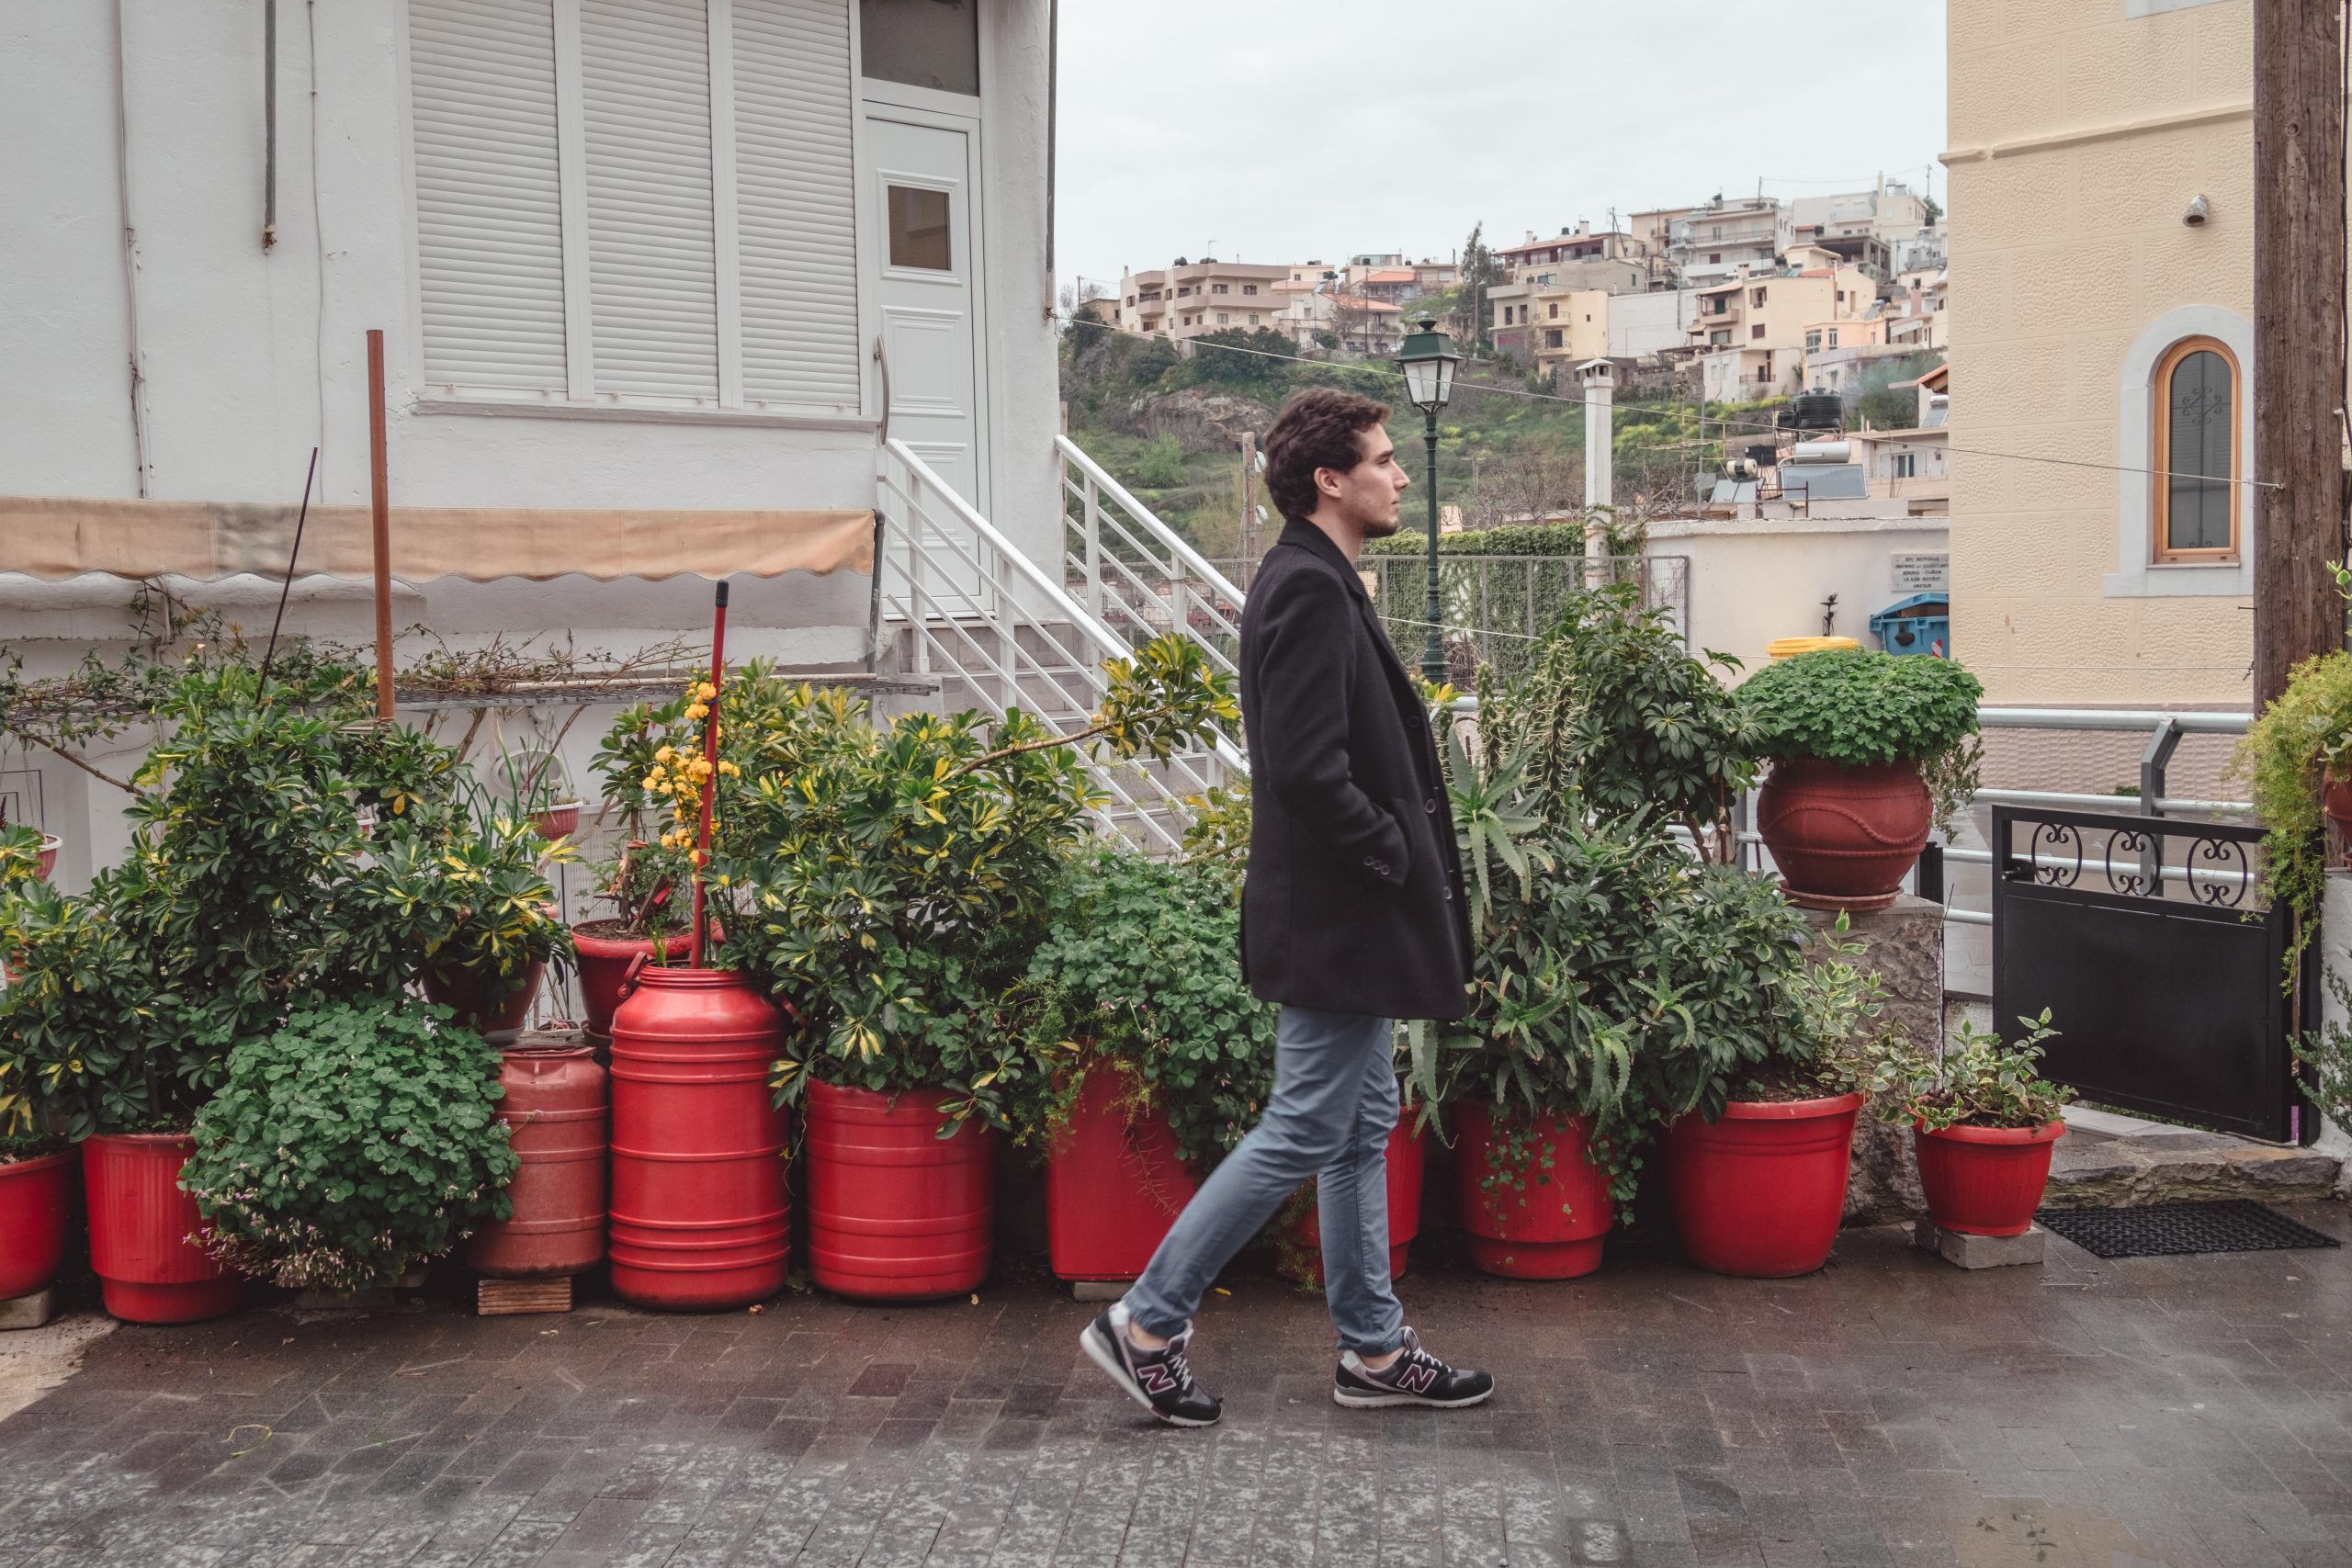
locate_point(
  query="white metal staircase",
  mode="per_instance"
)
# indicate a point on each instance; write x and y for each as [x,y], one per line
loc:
[957,601]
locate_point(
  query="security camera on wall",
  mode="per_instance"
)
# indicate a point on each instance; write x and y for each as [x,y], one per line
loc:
[2196,214]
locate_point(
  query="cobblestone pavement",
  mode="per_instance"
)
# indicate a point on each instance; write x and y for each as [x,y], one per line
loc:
[1891,1410]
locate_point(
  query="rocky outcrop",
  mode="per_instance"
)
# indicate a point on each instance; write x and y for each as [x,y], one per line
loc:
[1202,421]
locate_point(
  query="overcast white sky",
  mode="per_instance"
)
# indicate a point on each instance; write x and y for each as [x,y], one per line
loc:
[1285,130]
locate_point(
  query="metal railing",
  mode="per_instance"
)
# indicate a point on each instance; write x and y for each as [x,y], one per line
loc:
[1133,573]
[964,603]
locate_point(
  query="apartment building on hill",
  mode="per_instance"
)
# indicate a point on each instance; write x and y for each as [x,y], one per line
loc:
[1189,298]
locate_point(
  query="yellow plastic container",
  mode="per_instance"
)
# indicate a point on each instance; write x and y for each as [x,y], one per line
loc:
[1782,648]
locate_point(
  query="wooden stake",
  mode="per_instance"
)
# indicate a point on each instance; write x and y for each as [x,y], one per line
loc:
[509,1298]
[381,499]
[2298,353]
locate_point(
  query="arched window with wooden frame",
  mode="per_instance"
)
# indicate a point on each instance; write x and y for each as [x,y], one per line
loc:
[2197,496]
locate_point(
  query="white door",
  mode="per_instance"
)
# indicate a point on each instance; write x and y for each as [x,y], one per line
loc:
[925,295]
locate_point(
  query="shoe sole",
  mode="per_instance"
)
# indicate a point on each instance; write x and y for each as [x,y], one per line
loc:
[1102,1356]
[1381,1401]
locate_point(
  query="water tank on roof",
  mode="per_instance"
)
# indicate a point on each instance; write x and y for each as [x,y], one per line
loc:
[1818,411]
[1822,452]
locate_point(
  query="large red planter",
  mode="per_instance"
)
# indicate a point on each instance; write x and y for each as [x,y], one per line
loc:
[36,1217]
[139,1221]
[1843,837]
[897,1213]
[1301,1255]
[700,1220]
[601,961]
[1759,1193]
[1985,1181]
[1540,1219]
[555,1109]
[1114,1185]
[465,994]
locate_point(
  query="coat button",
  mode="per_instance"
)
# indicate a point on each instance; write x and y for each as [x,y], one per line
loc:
[1449,893]
[1430,806]
[1367,860]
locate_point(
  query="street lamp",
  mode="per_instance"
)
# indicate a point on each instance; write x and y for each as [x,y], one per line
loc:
[1429,358]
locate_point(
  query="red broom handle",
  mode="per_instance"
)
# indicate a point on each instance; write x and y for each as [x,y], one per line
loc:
[710,779]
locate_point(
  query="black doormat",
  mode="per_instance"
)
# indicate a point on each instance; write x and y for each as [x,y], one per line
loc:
[2163,1230]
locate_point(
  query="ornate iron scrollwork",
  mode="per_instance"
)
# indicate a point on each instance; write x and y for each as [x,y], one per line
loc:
[2226,889]
[2135,880]
[2060,839]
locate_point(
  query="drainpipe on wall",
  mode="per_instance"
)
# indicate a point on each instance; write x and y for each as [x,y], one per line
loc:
[269,124]
[129,248]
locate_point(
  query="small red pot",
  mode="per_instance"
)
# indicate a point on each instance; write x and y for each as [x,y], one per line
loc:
[602,961]
[464,993]
[1759,1193]
[139,1221]
[1542,1219]
[2337,803]
[36,1217]
[1114,1185]
[1407,1160]
[553,822]
[1843,837]
[1985,1181]
[50,844]
[897,1213]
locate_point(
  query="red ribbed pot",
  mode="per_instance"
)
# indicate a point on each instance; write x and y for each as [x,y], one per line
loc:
[1540,1217]
[554,1108]
[1759,1193]
[139,1221]
[700,1218]
[1114,1185]
[602,960]
[1843,837]
[36,1217]
[1985,1181]
[1407,1160]
[897,1213]
[463,992]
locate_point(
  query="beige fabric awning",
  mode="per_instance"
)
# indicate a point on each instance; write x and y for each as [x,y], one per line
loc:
[51,536]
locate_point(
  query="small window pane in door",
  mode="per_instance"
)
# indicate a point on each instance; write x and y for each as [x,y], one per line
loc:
[925,43]
[919,229]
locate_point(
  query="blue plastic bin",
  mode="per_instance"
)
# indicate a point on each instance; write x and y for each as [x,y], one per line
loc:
[1921,624]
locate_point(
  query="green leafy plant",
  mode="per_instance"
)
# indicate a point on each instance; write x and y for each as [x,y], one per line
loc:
[357,1140]
[1866,709]
[892,882]
[84,1046]
[1977,1082]
[462,896]
[647,885]
[1614,714]
[2302,739]
[20,853]
[1139,975]
[2326,1055]
[1161,463]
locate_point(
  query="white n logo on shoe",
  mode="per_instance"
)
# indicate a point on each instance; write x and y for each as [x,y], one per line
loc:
[1417,1379]
[1155,1380]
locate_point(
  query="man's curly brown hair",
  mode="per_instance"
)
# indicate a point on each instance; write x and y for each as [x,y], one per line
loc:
[1318,428]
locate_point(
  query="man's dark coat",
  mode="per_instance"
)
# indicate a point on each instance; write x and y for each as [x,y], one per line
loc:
[1354,901]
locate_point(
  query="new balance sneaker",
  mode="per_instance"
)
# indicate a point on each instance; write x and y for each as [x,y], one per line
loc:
[1159,1381]
[1415,1377]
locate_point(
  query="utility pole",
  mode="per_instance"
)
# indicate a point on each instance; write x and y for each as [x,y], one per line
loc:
[2298,369]
[1249,507]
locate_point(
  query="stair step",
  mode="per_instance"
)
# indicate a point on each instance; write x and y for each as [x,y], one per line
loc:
[2090,1170]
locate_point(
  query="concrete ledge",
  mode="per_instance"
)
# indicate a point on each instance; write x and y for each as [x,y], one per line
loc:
[2189,1166]
[1098,1290]
[29,1311]
[1970,1251]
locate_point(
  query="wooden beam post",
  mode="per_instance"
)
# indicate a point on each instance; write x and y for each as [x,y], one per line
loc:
[2299,352]
[380,500]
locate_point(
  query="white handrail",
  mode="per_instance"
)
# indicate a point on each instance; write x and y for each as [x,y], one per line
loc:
[1191,559]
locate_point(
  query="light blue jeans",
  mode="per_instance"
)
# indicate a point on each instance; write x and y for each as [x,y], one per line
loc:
[1334,1102]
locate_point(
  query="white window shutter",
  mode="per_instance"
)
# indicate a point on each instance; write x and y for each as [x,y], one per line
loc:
[489,225]
[797,195]
[653,267]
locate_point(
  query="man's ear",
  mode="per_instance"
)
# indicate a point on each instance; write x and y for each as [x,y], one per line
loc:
[1327,482]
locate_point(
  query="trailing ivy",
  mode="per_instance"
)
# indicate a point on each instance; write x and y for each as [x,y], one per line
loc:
[2303,738]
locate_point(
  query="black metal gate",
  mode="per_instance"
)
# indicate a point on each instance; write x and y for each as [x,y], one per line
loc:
[2148,940]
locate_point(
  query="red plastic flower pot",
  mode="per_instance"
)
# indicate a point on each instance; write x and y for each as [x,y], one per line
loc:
[897,1213]
[139,1221]
[1985,1181]
[700,1218]
[2337,803]
[50,844]
[1114,1185]
[1298,1251]
[601,961]
[1843,837]
[36,1217]
[559,820]
[1534,1202]
[1759,1193]
[465,994]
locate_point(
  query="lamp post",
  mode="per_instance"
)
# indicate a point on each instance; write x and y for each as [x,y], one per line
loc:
[1428,357]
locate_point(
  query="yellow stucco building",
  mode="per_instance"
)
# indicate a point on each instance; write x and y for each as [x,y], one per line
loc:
[2101,159]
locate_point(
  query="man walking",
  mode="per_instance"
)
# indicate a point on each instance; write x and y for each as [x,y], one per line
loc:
[1353,916]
